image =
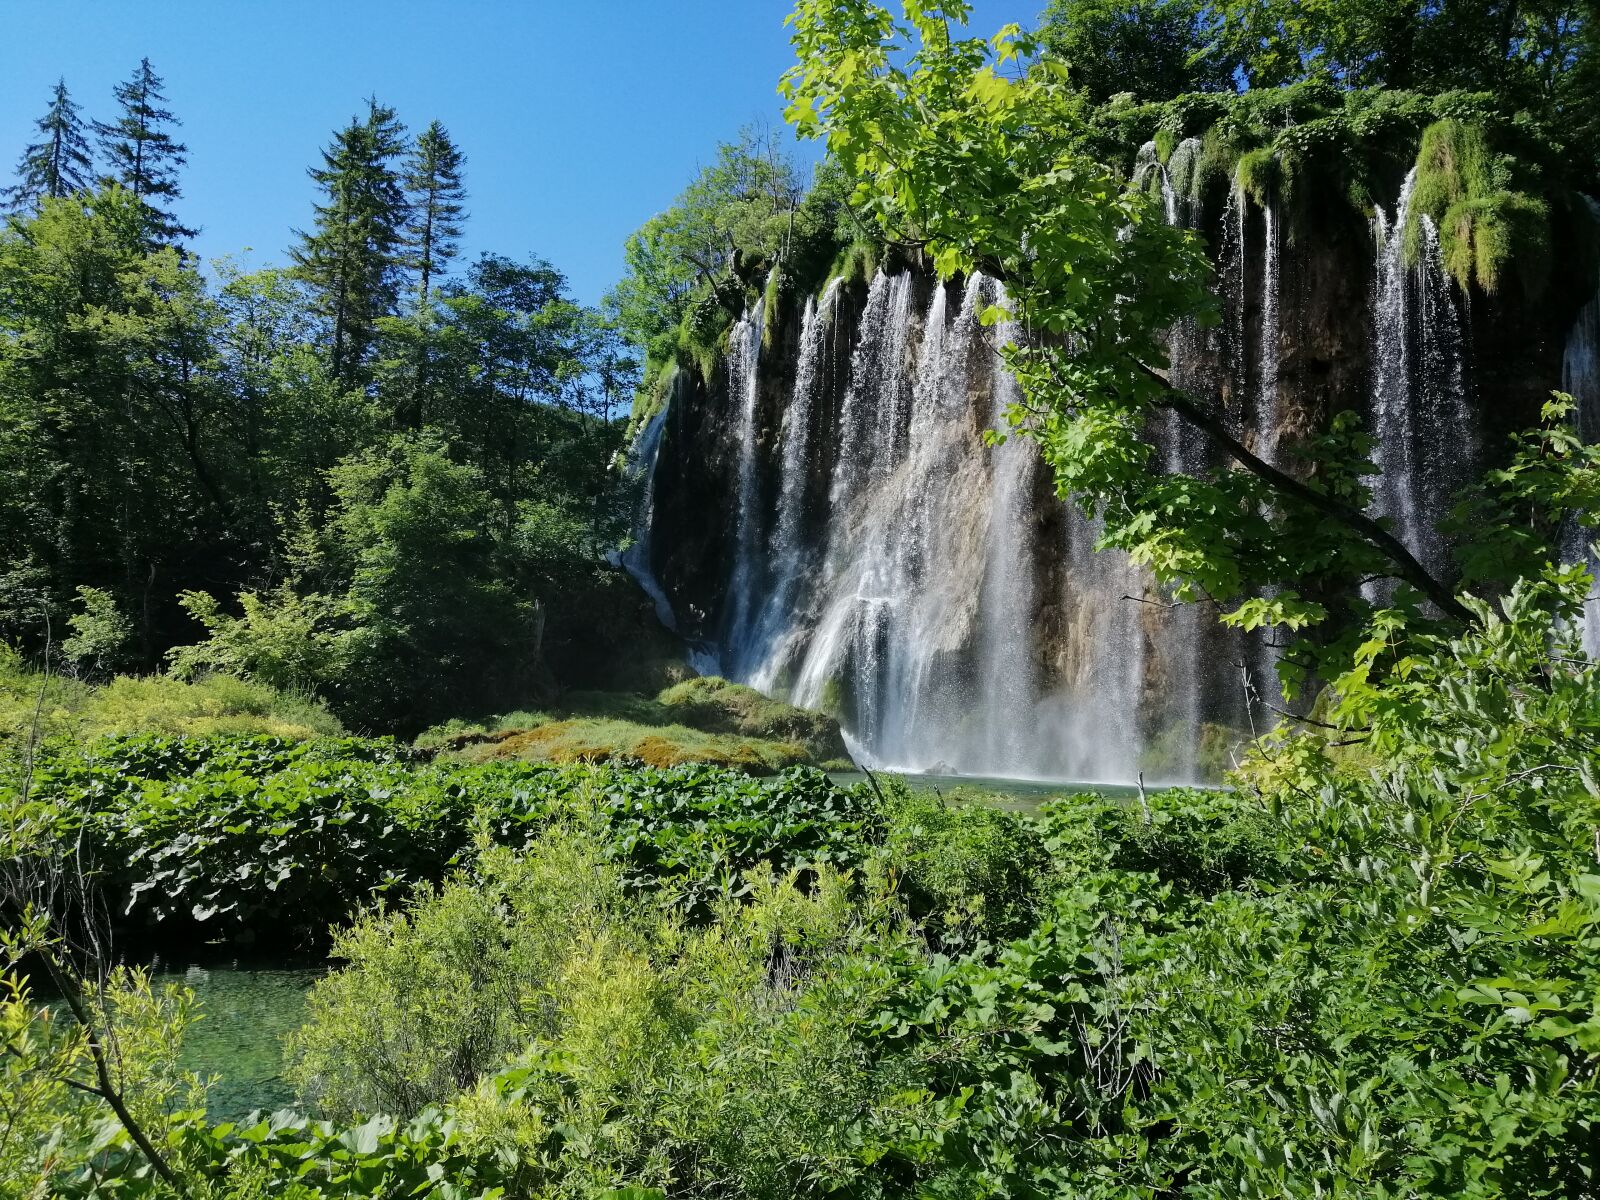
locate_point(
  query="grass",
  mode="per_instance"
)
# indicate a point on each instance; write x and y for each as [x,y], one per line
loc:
[700,720]
[606,739]
[216,704]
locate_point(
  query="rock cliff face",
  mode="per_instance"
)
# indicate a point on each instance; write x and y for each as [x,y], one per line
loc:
[823,520]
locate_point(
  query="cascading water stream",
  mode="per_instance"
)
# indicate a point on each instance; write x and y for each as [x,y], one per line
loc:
[1268,417]
[1008,683]
[1580,379]
[1421,420]
[744,385]
[787,550]
[636,559]
[1233,278]
[1181,644]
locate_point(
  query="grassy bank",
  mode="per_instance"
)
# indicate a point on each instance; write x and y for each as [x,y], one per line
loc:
[705,720]
[58,706]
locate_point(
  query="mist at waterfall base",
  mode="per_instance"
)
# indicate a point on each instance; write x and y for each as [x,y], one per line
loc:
[883,563]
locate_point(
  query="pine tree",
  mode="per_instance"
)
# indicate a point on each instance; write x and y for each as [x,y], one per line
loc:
[354,256]
[57,165]
[141,155]
[434,189]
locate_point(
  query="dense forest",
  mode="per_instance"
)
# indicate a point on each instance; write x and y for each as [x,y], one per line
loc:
[377,475]
[632,946]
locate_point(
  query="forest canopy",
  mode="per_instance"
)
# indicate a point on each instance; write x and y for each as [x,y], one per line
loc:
[380,475]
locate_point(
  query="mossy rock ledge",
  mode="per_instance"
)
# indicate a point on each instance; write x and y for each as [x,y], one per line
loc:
[707,720]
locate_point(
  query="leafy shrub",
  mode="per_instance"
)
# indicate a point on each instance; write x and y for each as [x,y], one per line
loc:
[278,839]
[437,996]
[1199,841]
[967,871]
[214,704]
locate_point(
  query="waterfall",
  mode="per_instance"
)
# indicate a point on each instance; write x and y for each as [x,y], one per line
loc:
[1268,416]
[786,551]
[637,558]
[923,629]
[1007,677]
[1098,711]
[744,387]
[1233,277]
[845,539]
[1420,414]
[897,584]
[1580,379]
[1179,644]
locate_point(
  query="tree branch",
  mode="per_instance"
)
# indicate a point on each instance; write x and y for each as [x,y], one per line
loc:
[1391,547]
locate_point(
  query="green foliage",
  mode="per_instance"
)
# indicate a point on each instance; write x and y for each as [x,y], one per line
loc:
[1148,49]
[421,615]
[351,260]
[100,633]
[968,872]
[438,996]
[54,1125]
[1378,980]
[213,704]
[726,229]
[270,839]
[1483,226]
[271,435]
[746,225]
[1258,175]
[57,165]
[143,155]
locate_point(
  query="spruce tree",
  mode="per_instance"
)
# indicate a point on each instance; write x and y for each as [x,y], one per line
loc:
[141,154]
[59,163]
[434,189]
[353,257]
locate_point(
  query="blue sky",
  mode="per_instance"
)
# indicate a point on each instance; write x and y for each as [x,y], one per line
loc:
[579,119]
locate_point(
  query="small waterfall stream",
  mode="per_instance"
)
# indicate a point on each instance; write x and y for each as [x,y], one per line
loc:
[1580,379]
[1007,676]
[1268,417]
[787,548]
[1426,443]
[744,383]
[637,558]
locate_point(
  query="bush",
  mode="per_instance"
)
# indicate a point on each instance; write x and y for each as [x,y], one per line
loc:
[437,996]
[206,705]
[274,839]
[967,871]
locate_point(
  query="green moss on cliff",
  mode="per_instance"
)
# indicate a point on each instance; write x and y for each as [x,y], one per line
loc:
[1258,175]
[855,264]
[772,301]
[1484,225]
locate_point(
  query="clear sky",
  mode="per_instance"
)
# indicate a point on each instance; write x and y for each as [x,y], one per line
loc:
[579,119]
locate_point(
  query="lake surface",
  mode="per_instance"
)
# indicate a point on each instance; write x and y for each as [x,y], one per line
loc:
[246,1013]
[1018,795]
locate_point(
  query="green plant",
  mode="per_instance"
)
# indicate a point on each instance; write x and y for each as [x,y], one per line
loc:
[967,871]
[276,840]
